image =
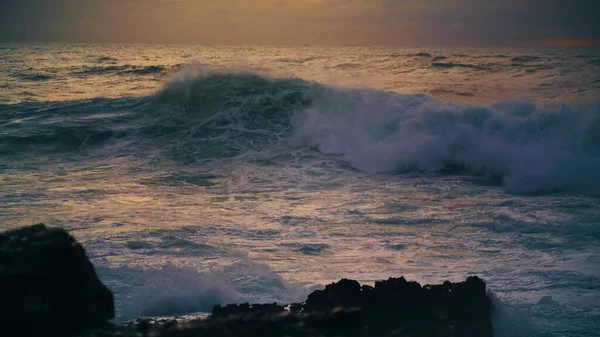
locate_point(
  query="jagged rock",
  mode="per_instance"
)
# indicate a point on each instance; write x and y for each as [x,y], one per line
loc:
[47,284]
[345,293]
[48,287]
[396,307]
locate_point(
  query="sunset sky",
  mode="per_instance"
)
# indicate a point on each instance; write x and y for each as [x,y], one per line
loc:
[335,22]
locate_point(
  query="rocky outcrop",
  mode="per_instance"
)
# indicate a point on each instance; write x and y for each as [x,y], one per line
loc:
[397,306]
[48,287]
[394,307]
[47,284]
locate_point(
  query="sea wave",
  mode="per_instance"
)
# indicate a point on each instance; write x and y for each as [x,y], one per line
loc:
[121,70]
[105,59]
[531,148]
[449,65]
[176,289]
[421,55]
[33,77]
[526,58]
[203,114]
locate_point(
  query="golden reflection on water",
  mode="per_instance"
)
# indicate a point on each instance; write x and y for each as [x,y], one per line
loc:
[114,71]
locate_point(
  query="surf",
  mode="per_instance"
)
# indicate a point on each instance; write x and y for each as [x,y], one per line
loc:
[204,114]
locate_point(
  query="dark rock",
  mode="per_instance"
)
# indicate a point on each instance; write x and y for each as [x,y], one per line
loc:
[394,307]
[246,308]
[345,293]
[47,284]
[399,307]
[48,287]
[296,307]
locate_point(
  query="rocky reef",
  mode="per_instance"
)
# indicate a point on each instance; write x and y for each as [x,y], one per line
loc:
[49,287]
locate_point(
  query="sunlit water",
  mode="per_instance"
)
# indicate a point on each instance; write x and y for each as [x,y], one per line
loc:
[200,175]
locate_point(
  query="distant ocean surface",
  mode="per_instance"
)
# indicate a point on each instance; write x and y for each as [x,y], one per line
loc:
[197,175]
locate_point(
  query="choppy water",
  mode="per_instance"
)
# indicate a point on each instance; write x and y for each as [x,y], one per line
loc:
[200,175]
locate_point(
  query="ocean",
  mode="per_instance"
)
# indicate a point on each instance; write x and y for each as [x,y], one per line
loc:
[197,175]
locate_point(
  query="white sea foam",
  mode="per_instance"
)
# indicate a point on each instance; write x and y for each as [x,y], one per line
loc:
[526,147]
[172,289]
[531,148]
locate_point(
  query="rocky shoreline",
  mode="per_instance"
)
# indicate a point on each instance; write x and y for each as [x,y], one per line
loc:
[49,287]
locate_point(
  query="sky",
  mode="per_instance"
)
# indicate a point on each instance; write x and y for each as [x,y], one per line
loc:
[304,22]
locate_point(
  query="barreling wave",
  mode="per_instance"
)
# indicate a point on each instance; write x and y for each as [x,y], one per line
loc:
[204,115]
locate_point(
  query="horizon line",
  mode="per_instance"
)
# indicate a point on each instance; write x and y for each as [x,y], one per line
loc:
[549,43]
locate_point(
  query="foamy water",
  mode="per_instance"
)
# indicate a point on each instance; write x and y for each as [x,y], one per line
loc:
[203,175]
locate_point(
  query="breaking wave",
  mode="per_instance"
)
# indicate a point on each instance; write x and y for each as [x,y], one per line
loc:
[530,148]
[170,289]
[201,114]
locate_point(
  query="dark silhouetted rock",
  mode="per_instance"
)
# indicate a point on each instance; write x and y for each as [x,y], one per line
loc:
[345,293]
[402,308]
[48,287]
[394,307]
[47,284]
